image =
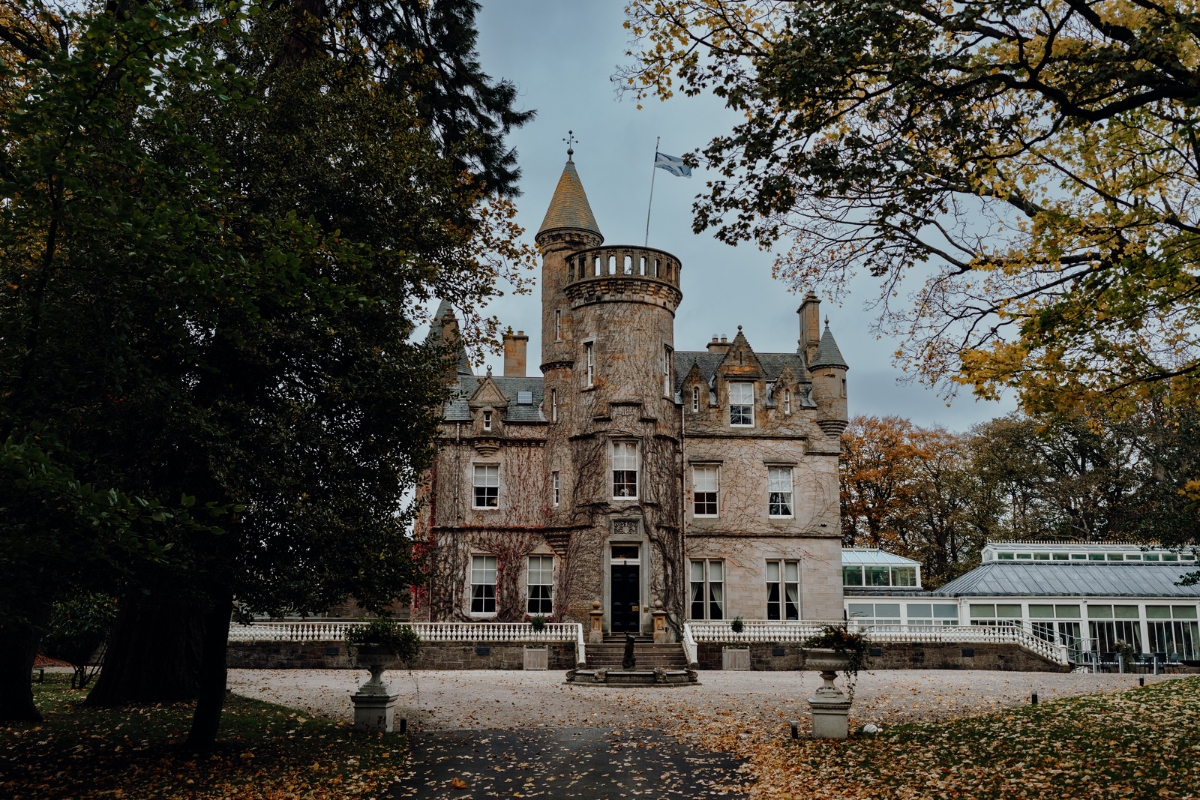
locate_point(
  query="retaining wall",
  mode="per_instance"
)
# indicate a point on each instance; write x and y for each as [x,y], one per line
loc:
[767,656]
[434,655]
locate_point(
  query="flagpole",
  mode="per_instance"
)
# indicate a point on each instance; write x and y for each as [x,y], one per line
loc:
[653,174]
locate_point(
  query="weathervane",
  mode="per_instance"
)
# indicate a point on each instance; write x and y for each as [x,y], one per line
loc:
[570,140]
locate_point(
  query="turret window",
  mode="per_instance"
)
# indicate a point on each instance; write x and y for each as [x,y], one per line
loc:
[554,405]
[590,359]
[741,404]
[625,470]
[557,487]
[557,325]
[666,372]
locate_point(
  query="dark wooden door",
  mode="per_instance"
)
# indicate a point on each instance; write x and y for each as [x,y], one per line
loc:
[625,610]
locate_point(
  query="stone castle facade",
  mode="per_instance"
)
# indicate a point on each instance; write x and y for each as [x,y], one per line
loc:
[631,473]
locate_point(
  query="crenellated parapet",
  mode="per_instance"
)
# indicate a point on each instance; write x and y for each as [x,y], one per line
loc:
[622,273]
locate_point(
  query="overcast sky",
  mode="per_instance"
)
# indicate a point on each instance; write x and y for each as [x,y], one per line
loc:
[561,54]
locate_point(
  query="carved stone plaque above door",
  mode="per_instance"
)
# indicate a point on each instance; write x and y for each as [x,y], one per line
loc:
[626,527]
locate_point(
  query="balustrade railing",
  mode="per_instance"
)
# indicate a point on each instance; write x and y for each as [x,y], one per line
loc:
[428,631]
[798,631]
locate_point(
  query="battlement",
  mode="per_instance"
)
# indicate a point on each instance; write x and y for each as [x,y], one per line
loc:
[623,261]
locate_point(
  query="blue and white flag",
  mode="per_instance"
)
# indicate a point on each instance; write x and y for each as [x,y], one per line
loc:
[673,165]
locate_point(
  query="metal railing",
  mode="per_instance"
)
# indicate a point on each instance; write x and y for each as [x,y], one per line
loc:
[798,631]
[428,631]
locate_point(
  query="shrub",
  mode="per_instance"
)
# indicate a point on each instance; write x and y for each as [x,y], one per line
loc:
[738,625]
[78,632]
[538,622]
[402,640]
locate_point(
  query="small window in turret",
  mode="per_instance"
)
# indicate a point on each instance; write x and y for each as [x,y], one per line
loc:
[843,387]
[557,325]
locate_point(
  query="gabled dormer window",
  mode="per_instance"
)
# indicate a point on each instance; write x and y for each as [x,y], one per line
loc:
[487,420]
[695,398]
[741,404]
[787,401]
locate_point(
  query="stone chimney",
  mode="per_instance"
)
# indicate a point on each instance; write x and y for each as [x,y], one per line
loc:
[721,346]
[810,327]
[514,353]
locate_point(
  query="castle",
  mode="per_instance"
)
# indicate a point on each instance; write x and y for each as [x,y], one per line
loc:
[631,474]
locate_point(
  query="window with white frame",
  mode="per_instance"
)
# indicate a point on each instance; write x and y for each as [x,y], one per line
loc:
[705,488]
[779,488]
[483,584]
[787,401]
[998,614]
[1108,625]
[487,420]
[556,481]
[541,585]
[933,614]
[741,404]
[875,616]
[666,372]
[487,486]
[589,350]
[1173,630]
[708,589]
[783,590]
[625,470]
[695,399]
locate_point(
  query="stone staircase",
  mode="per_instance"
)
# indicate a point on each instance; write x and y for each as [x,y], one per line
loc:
[647,654]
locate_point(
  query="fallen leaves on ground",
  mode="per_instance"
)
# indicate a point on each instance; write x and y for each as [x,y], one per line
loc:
[266,752]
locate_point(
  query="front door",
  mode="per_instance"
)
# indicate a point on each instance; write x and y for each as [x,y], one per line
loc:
[626,611]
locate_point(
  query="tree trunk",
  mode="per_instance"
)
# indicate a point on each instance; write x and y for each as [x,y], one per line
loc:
[152,657]
[18,650]
[213,673]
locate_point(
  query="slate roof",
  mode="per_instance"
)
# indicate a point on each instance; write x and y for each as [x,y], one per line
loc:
[435,335]
[1130,579]
[772,364]
[456,410]
[569,208]
[828,354]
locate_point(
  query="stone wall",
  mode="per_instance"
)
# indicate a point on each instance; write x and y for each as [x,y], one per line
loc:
[768,656]
[434,655]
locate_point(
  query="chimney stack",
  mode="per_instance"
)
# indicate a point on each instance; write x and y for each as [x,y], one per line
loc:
[810,326]
[514,353]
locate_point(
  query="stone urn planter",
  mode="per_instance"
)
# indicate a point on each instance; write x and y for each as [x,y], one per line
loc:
[830,705]
[374,703]
[735,658]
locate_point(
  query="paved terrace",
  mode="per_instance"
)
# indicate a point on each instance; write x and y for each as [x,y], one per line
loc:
[489,734]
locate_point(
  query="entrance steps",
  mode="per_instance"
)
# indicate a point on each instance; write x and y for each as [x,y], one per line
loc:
[648,655]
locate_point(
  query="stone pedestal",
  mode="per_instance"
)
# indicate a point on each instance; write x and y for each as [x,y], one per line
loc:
[374,712]
[661,633]
[596,632]
[830,710]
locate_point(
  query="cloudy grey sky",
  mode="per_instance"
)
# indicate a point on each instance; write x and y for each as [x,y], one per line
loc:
[562,54]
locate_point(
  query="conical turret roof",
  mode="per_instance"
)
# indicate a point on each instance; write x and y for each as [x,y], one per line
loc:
[462,360]
[828,354]
[570,208]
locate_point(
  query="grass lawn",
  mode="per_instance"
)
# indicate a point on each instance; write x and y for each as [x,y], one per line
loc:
[1142,743]
[265,752]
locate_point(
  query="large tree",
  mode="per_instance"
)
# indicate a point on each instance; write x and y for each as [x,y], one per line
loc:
[1029,167]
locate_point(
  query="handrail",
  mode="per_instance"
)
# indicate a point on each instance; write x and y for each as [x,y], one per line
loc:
[427,631]
[799,630]
[689,644]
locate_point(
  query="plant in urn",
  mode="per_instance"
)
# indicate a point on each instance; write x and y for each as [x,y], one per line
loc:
[378,646]
[833,650]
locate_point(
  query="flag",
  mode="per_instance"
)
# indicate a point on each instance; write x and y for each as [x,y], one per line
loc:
[673,165]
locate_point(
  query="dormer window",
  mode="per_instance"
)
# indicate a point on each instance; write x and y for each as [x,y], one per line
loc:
[487,420]
[695,399]
[741,404]
[787,401]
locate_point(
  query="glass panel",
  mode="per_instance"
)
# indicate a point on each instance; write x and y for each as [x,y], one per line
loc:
[793,600]
[1078,556]
[904,576]
[1149,556]
[773,571]
[1099,612]
[697,570]
[945,611]
[1041,612]
[1008,611]
[1126,612]
[1183,612]
[852,576]
[1061,557]
[741,393]
[1024,556]
[698,600]
[705,478]
[772,601]
[1133,556]
[1066,612]
[1095,556]
[1116,557]
[861,610]
[878,576]
[1041,556]
[1158,612]
[716,570]
[716,601]
[625,551]
[1004,556]
[920,610]
[983,611]
[791,571]
[887,610]
[1169,557]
